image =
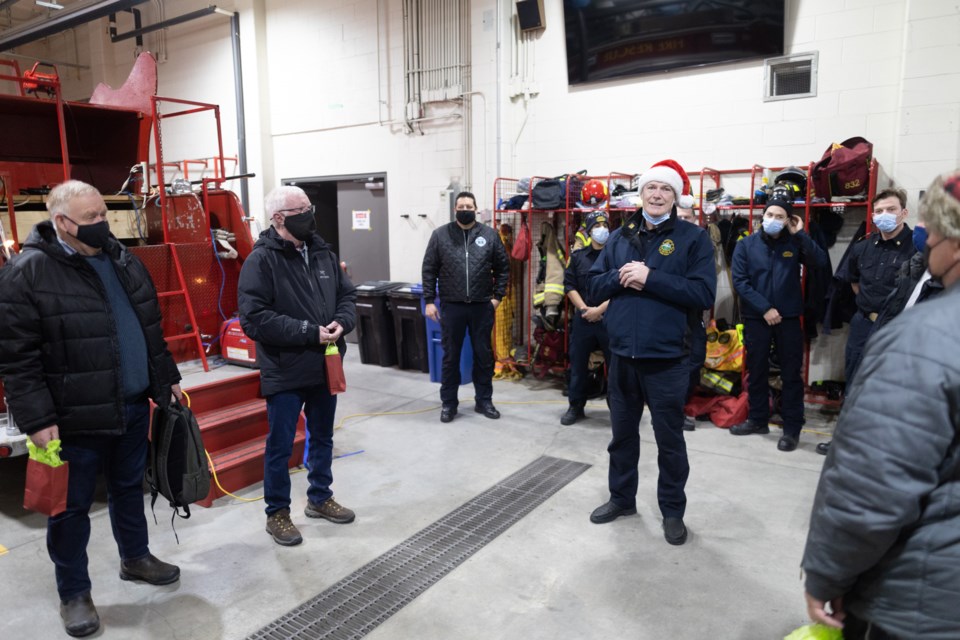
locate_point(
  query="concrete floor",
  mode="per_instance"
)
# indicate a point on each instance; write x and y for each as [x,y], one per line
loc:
[552,575]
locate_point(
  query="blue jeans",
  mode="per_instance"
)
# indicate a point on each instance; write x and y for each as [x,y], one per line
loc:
[123,459]
[662,386]
[283,412]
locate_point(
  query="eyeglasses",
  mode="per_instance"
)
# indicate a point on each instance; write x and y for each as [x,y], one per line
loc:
[311,210]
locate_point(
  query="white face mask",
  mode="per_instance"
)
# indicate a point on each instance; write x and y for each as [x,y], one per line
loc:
[600,234]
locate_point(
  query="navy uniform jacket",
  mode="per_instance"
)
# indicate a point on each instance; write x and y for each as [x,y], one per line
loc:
[655,322]
[576,277]
[766,272]
[874,264]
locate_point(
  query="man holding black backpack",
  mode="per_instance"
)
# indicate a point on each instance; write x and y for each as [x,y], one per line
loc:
[81,352]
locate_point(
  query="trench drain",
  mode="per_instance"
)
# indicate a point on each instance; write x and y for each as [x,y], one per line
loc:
[356,605]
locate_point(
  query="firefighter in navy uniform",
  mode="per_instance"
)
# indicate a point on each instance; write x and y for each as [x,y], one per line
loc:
[766,276]
[874,263]
[656,271]
[587,332]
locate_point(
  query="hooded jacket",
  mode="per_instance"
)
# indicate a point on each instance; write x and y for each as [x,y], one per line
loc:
[885,527]
[469,265]
[59,350]
[658,321]
[283,303]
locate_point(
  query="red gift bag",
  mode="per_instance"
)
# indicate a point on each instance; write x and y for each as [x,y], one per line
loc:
[46,488]
[336,382]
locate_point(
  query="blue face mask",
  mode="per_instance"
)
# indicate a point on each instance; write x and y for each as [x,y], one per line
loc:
[919,238]
[885,222]
[772,226]
[600,234]
[655,221]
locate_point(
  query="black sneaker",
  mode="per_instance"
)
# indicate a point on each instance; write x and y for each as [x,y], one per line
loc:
[149,569]
[572,415]
[747,427]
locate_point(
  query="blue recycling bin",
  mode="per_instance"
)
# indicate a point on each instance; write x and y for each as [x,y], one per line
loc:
[435,345]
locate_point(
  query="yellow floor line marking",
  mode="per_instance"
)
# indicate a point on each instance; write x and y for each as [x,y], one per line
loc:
[3,550]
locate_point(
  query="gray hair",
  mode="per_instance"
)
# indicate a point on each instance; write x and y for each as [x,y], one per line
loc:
[277,198]
[58,200]
[940,206]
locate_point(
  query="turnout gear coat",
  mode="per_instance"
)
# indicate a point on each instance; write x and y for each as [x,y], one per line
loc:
[885,527]
[59,350]
[470,265]
[283,303]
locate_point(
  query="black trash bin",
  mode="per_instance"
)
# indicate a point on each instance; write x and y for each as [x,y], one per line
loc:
[409,327]
[374,323]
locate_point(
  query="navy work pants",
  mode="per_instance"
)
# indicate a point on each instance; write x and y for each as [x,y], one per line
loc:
[123,459]
[455,319]
[860,328]
[585,338]
[662,386]
[788,338]
[283,412]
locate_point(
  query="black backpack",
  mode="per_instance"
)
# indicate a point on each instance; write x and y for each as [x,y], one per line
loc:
[177,463]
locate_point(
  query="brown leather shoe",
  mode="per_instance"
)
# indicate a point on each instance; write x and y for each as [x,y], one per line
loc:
[330,510]
[283,530]
[79,616]
[150,570]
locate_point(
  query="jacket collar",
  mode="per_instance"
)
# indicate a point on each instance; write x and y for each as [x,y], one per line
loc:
[43,237]
[270,239]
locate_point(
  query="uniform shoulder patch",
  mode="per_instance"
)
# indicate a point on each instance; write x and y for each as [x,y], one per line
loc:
[788,254]
[667,247]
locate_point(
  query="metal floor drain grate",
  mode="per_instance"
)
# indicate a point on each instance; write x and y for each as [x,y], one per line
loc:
[356,605]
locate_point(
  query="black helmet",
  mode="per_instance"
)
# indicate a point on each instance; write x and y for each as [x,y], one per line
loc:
[794,180]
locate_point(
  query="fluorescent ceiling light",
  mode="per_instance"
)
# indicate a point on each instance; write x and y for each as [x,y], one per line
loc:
[49,5]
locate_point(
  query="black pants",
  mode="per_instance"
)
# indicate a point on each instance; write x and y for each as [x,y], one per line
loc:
[788,338]
[661,385]
[861,326]
[856,629]
[455,319]
[585,338]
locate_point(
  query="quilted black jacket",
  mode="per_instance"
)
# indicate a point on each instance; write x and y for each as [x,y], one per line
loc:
[471,265]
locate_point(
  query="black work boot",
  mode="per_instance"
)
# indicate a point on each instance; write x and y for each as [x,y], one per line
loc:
[150,570]
[79,616]
[574,413]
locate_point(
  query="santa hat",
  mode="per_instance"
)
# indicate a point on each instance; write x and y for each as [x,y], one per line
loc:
[670,172]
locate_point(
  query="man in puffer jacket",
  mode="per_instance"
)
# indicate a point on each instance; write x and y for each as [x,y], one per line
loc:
[81,352]
[883,552]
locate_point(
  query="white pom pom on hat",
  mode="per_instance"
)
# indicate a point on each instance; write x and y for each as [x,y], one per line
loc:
[670,172]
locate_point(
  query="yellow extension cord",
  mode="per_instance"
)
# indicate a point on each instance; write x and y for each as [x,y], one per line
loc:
[213,468]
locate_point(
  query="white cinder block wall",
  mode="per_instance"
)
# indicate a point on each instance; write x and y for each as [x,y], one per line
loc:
[324,94]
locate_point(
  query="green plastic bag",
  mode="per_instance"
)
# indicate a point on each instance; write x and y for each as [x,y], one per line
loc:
[816,632]
[49,456]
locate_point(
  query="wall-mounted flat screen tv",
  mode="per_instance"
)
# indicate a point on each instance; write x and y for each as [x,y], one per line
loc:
[609,39]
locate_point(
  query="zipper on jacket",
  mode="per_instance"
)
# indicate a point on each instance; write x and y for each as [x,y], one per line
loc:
[466,251]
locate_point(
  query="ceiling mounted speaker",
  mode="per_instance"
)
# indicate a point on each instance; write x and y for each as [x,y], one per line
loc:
[530,15]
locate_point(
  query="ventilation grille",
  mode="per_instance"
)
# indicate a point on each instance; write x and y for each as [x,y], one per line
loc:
[790,77]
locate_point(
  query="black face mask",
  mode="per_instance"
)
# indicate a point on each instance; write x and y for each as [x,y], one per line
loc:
[93,235]
[466,217]
[301,226]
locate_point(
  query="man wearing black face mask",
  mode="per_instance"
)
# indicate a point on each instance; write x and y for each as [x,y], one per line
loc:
[295,300]
[470,263]
[81,352]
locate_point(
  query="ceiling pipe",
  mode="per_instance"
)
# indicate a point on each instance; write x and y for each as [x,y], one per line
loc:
[187,17]
[70,17]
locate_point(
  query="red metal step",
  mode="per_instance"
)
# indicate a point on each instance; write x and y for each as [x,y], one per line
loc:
[236,423]
[242,465]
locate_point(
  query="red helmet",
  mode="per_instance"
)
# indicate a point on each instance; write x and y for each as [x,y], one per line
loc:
[594,192]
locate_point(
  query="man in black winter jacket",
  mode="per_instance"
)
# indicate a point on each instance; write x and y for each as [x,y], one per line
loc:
[81,351]
[294,301]
[470,263]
